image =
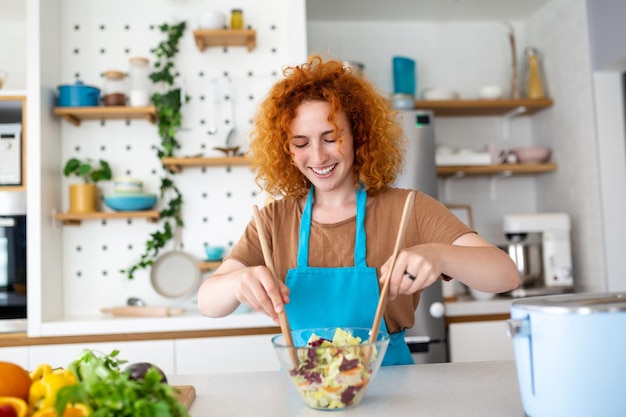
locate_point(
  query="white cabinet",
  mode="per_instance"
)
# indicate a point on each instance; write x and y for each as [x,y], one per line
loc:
[158,352]
[479,341]
[16,355]
[225,354]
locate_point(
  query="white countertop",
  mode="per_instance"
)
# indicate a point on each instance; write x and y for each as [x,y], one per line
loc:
[471,389]
[466,305]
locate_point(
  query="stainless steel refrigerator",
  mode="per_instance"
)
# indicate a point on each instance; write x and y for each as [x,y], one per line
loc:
[427,338]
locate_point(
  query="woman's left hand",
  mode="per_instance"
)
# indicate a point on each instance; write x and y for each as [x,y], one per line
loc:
[415,269]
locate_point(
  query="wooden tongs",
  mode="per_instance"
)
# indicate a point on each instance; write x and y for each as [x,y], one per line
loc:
[382,301]
[282,316]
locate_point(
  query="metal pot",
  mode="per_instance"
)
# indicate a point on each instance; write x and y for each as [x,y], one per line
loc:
[78,95]
[569,354]
[528,259]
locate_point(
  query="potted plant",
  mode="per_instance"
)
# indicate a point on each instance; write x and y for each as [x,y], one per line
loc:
[84,196]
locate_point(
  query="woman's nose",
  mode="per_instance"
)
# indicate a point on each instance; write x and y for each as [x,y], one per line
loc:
[319,153]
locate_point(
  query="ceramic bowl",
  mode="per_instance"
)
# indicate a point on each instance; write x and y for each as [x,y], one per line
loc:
[440,93]
[532,154]
[334,373]
[214,253]
[130,201]
[127,185]
[212,20]
[481,295]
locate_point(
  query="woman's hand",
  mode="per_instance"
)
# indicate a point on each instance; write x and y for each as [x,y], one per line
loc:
[234,283]
[258,289]
[415,269]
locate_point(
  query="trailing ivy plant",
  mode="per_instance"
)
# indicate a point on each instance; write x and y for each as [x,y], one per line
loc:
[168,103]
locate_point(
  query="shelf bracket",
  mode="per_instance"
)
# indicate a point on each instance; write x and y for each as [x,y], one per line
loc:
[506,122]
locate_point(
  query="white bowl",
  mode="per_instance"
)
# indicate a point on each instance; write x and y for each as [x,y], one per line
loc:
[481,295]
[439,93]
[212,20]
[490,92]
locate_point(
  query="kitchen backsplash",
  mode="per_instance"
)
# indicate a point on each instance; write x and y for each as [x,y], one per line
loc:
[218,200]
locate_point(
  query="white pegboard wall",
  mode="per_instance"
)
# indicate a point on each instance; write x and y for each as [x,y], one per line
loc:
[218,201]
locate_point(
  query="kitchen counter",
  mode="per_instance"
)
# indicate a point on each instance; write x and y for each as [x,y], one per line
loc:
[466,305]
[481,389]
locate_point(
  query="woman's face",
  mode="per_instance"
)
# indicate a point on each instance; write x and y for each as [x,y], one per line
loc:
[314,147]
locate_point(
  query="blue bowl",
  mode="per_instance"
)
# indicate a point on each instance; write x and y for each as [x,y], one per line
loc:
[214,253]
[130,202]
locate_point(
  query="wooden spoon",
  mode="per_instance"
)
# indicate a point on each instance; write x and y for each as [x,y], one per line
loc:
[282,316]
[382,301]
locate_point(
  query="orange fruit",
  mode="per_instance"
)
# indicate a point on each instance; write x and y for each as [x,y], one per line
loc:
[71,410]
[14,381]
[19,405]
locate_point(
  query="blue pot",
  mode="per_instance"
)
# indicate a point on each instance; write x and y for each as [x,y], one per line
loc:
[78,95]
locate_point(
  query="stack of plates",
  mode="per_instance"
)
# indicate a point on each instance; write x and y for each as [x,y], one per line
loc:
[128,195]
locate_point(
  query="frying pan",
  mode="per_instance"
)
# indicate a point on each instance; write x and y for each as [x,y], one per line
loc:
[175,274]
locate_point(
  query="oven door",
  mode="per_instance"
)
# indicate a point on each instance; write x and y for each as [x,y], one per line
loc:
[13,267]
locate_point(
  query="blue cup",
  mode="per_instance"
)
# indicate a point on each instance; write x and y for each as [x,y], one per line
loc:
[403,75]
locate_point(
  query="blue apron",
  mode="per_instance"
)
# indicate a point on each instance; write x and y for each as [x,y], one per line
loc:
[338,297]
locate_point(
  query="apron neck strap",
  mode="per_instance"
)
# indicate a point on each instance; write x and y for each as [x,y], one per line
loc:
[360,244]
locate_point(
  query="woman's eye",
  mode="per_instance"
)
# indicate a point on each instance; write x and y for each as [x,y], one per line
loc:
[299,144]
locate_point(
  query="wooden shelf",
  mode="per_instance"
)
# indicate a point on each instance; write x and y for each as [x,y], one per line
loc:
[75,115]
[503,169]
[76,218]
[482,107]
[177,164]
[208,265]
[225,37]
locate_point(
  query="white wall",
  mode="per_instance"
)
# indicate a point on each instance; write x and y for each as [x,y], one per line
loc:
[13,45]
[468,55]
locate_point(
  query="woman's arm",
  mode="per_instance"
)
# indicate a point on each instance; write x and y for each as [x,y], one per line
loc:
[470,259]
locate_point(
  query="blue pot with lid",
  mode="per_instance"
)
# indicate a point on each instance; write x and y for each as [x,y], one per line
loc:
[78,95]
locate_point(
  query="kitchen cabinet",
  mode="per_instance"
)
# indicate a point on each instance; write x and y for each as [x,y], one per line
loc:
[225,37]
[225,354]
[75,115]
[159,352]
[479,341]
[16,355]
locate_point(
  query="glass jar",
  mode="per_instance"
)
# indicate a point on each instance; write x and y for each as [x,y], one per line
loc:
[140,84]
[534,81]
[236,19]
[114,88]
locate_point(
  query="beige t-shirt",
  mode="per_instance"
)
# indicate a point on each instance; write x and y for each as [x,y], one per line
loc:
[332,245]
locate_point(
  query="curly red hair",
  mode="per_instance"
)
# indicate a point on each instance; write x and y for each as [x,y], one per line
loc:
[378,140]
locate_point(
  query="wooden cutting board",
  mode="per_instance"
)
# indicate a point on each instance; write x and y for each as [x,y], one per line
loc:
[185,394]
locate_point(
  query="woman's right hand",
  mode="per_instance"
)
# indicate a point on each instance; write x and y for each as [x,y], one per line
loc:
[257,288]
[234,283]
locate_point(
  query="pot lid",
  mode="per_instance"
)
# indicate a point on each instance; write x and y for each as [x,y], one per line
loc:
[585,303]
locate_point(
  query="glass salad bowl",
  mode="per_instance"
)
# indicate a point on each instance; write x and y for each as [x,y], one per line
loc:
[331,368]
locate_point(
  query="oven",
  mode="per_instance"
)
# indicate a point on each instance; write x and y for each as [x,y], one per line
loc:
[13,291]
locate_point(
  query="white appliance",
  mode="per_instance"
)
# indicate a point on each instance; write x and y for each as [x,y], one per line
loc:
[10,153]
[553,230]
[427,338]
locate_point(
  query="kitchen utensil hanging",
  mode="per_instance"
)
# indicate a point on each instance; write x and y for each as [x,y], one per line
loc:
[175,274]
[229,149]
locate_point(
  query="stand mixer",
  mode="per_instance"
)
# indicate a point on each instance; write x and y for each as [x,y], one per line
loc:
[550,270]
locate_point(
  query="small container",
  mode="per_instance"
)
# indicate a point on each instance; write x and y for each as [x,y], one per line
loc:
[534,81]
[236,19]
[114,88]
[139,78]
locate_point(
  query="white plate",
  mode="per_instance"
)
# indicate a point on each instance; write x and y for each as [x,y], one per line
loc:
[175,275]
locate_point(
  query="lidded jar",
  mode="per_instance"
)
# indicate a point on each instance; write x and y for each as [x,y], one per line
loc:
[534,81]
[236,19]
[114,88]
[139,75]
